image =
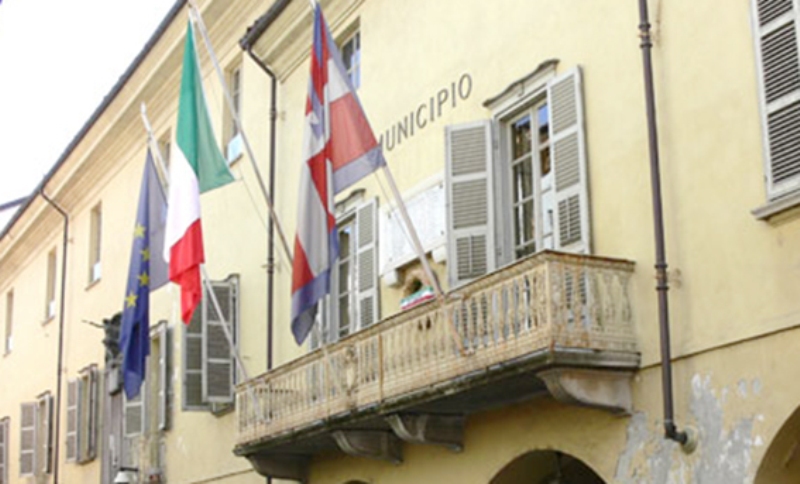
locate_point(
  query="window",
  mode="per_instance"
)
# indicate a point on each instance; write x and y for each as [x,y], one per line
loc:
[146,415]
[528,194]
[776,24]
[165,150]
[351,56]
[50,299]
[4,438]
[95,239]
[233,139]
[82,416]
[208,366]
[353,301]
[36,436]
[9,340]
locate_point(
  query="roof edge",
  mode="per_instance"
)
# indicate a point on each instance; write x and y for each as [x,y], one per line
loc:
[255,31]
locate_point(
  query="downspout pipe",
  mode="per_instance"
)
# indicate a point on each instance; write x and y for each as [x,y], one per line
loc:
[671,431]
[60,365]
[273,116]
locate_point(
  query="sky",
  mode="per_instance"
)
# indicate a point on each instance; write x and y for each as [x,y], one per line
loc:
[58,60]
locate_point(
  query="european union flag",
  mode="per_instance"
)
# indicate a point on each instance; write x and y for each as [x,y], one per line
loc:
[147,272]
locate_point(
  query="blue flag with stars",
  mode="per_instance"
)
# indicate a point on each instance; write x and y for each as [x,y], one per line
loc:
[147,272]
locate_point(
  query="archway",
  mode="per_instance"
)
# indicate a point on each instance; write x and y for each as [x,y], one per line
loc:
[546,467]
[781,462]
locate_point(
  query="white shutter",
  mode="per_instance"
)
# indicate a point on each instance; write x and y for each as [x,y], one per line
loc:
[72,419]
[218,363]
[27,439]
[568,152]
[192,378]
[470,201]
[4,437]
[776,24]
[367,263]
[164,373]
[133,418]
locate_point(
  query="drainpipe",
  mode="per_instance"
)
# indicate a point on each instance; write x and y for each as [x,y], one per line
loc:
[60,369]
[273,116]
[662,284]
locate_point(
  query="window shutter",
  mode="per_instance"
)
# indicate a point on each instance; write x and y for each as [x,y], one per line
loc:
[87,424]
[27,440]
[779,81]
[367,260]
[193,361]
[164,373]
[46,420]
[4,437]
[470,201]
[218,363]
[72,419]
[568,151]
[134,419]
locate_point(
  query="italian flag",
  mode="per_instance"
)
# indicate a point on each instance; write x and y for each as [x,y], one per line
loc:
[198,167]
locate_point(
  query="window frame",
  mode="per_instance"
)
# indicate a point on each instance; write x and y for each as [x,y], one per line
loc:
[352,64]
[51,288]
[232,137]
[95,243]
[5,437]
[8,339]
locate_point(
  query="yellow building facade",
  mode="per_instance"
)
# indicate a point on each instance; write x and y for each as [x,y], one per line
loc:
[517,133]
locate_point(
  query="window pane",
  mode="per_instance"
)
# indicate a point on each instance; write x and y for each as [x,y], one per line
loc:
[344,277]
[544,159]
[345,233]
[344,316]
[542,121]
[523,180]
[521,137]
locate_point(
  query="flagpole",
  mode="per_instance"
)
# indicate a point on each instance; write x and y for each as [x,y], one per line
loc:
[198,19]
[151,139]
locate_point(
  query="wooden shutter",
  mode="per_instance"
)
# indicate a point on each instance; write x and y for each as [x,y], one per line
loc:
[367,263]
[44,434]
[134,418]
[4,437]
[27,439]
[218,363]
[164,373]
[470,201]
[568,152]
[72,420]
[779,80]
[192,377]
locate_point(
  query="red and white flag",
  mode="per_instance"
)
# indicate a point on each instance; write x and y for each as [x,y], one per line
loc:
[339,149]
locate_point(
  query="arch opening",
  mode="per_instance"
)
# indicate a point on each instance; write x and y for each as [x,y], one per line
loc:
[546,467]
[781,462]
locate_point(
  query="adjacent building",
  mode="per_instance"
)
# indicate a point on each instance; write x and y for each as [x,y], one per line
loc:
[517,134]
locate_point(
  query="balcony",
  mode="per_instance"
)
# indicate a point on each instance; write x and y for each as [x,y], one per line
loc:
[554,323]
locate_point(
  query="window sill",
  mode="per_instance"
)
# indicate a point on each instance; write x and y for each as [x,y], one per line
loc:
[92,283]
[48,319]
[777,207]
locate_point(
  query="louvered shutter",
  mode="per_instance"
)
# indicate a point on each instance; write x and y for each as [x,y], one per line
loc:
[218,367]
[367,262]
[72,420]
[4,437]
[88,395]
[470,201]
[134,418]
[779,79]
[27,439]
[568,152]
[44,451]
[193,362]
[164,373]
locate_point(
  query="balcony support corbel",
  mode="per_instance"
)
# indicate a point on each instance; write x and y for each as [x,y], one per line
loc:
[372,444]
[281,466]
[446,430]
[607,390]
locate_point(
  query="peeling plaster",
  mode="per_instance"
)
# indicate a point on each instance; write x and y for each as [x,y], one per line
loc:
[726,440]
